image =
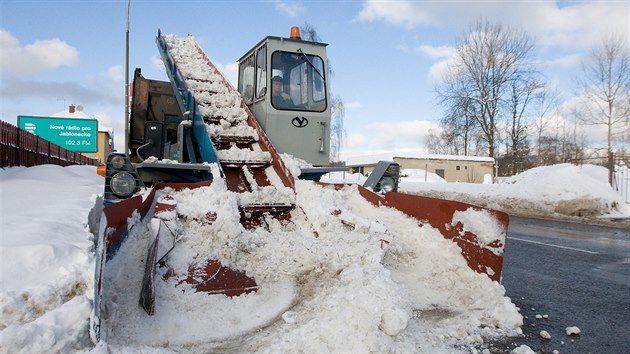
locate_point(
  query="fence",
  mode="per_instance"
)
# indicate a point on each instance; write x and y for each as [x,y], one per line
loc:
[21,148]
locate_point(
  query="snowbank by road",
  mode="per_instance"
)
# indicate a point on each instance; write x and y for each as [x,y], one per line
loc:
[47,265]
[563,191]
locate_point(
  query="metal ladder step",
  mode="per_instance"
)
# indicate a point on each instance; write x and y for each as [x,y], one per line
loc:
[266,208]
[253,165]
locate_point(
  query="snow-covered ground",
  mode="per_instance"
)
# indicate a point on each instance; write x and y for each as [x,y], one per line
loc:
[354,295]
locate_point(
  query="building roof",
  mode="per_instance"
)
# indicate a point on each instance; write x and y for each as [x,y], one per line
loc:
[374,159]
[75,115]
[78,113]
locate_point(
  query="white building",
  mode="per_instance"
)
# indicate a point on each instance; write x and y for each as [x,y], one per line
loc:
[452,168]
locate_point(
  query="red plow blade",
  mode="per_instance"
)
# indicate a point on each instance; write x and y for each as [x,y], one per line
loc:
[482,255]
[213,278]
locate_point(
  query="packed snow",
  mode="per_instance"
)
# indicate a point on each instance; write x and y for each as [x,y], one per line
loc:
[345,290]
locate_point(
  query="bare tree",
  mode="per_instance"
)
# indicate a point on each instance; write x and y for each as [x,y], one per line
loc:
[545,105]
[451,141]
[459,126]
[605,88]
[446,142]
[520,96]
[310,33]
[489,58]
[337,131]
[557,149]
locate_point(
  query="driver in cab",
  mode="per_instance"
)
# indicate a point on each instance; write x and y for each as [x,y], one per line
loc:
[279,98]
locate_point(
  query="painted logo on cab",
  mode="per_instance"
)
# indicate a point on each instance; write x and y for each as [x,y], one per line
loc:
[299,122]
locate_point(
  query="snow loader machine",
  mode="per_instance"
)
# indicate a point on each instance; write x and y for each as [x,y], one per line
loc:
[197,131]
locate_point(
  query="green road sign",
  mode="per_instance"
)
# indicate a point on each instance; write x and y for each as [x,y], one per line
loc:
[73,134]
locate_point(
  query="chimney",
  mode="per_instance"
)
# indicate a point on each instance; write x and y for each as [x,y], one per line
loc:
[71,108]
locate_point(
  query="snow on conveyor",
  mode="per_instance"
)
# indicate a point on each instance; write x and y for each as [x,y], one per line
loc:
[217,99]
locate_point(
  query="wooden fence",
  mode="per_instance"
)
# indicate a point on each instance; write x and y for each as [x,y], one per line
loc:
[19,147]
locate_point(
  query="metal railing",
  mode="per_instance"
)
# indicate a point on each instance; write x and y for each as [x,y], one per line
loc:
[19,147]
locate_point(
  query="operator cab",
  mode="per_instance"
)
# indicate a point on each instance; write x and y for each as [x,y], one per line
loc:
[283,81]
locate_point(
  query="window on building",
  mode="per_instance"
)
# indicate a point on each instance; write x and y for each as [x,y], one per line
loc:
[457,168]
[440,172]
[357,169]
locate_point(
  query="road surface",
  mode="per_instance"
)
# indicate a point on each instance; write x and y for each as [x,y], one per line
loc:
[566,274]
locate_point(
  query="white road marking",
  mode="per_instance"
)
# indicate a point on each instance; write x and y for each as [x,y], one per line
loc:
[552,245]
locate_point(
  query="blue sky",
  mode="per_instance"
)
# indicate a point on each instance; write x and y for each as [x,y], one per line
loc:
[386,55]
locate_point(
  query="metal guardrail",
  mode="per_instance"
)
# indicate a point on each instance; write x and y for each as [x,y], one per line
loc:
[19,147]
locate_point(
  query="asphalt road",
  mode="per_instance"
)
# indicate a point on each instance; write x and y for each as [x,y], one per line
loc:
[573,274]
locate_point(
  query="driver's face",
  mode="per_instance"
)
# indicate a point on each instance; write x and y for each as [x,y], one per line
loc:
[276,87]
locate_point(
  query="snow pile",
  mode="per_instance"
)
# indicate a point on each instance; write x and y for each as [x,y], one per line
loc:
[584,189]
[204,318]
[47,257]
[294,164]
[408,178]
[267,195]
[413,175]
[325,272]
[484,225]
[341,275]
[563,191]
[344,177]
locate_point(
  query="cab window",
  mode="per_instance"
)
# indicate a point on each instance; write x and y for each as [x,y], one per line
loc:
[246,79]
[261,72]
[301,82]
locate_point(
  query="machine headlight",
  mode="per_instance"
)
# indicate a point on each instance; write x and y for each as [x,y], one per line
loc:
[384,178]
[118,162]
[123,184]
[387,184]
